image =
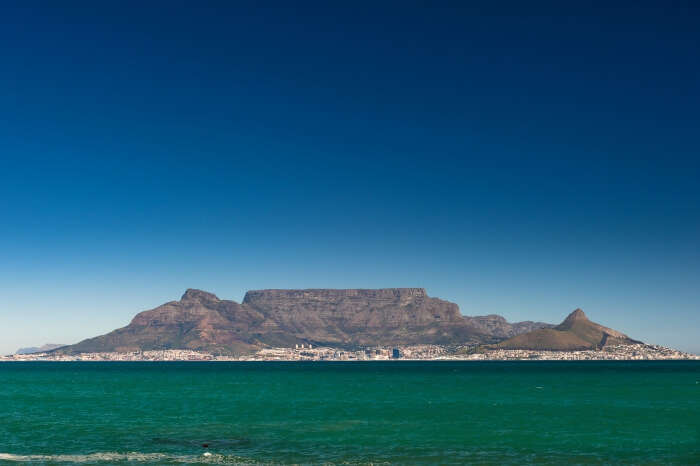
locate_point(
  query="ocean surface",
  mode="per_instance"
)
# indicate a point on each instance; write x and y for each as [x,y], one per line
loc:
[350,413]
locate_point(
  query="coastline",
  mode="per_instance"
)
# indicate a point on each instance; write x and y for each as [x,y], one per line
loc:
[640,352]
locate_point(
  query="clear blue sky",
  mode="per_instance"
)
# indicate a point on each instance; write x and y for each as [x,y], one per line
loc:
[519,158]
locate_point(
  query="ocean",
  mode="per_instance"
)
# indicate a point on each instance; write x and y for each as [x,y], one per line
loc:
[396,412]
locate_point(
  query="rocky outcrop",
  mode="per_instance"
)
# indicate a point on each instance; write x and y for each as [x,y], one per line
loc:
[341,318]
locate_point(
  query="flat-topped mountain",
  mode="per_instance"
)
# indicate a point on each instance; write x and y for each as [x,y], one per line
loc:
[339,318]
[325,294]
[576,332]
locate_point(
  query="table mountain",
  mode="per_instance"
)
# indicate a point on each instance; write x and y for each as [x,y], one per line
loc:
[576,332]
[343,318]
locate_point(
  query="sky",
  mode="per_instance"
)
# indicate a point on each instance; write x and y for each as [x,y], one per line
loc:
[517,158]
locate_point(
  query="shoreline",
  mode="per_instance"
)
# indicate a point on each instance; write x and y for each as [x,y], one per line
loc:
[436,353]
[397,361]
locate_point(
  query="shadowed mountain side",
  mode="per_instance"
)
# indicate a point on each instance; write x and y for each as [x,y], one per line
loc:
[497,327]
[576,332]
[340,318]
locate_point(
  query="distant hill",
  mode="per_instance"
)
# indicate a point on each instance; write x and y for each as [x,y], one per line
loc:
[338,318]
[39,349]
[576,332]
[498,328]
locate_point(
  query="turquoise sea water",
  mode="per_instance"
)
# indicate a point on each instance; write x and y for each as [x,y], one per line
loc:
[374,412]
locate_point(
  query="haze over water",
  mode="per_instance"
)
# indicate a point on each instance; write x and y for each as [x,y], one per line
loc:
[398,412]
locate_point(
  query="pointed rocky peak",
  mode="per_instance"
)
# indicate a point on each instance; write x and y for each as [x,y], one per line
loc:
[193,295]
[577,316]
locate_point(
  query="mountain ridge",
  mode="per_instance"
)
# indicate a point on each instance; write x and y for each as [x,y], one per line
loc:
[274,317]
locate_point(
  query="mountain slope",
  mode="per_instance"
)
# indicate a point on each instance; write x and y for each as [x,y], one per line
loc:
[498,328]
[576,332]
[39,349]
[199,320]
[340,318]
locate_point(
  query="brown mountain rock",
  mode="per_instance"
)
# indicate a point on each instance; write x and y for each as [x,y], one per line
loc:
[497,326]
[339,318]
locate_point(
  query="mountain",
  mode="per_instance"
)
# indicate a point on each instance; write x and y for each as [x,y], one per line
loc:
[499,328]
[39,349]
[577,332]
[343,318]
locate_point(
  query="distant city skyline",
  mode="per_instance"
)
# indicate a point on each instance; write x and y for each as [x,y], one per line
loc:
[521,160]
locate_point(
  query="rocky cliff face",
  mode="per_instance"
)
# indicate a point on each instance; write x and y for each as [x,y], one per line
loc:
[362,317]
[341,318]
